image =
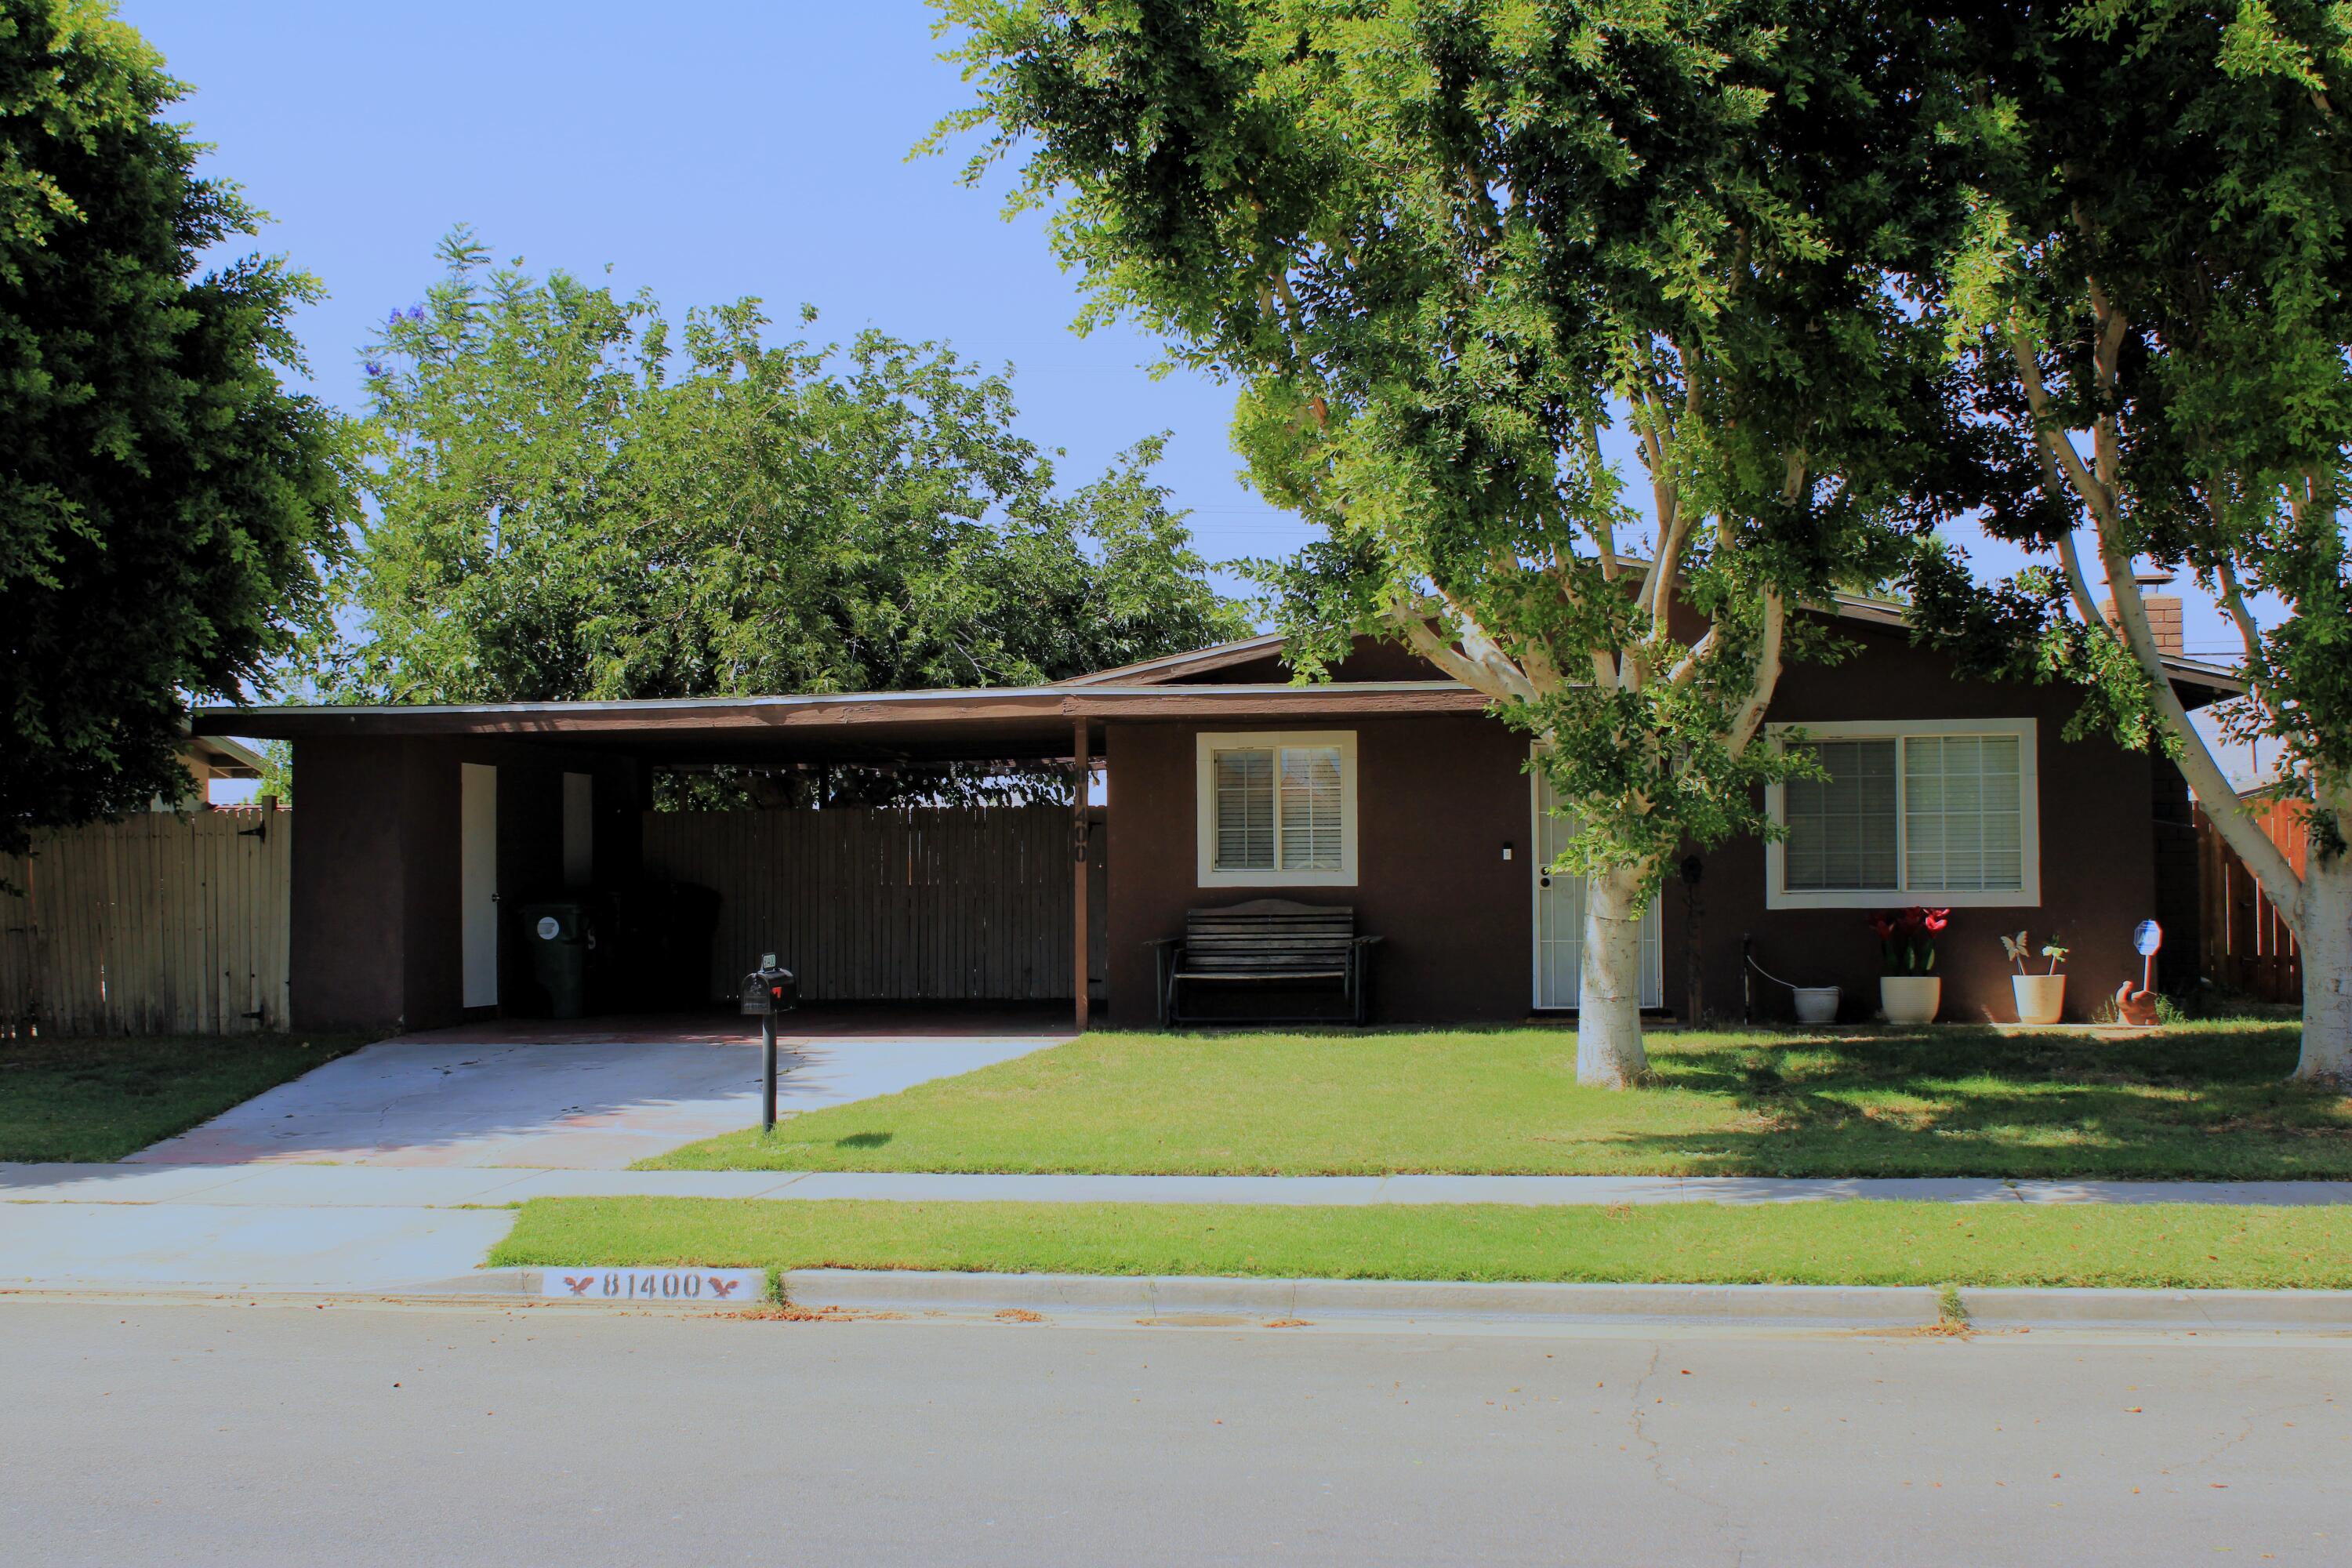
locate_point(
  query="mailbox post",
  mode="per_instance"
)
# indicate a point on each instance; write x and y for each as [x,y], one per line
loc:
[768,991]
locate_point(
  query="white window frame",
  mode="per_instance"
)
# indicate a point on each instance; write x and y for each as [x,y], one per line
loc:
[1208,744]
[2026,896]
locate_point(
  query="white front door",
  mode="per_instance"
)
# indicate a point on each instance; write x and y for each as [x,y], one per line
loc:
[477,882]
[1559,919]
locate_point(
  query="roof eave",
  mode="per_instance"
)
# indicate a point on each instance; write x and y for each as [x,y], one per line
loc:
[766,715]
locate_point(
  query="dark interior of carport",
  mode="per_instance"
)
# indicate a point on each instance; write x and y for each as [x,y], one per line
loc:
[423,835]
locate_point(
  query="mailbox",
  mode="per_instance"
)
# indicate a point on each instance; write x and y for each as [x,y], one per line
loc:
[768,990]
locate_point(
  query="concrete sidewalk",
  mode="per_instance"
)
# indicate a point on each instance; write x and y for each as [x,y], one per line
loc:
[269,1226]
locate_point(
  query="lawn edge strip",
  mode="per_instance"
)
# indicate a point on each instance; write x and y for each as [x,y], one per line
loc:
[1892,1243]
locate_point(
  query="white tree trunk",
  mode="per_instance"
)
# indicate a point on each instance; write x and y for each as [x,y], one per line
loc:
[2326,942]
[1608,1013]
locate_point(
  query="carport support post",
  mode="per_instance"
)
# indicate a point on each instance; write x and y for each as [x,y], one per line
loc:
[1078,760]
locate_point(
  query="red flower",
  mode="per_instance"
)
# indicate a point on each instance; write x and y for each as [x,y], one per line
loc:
[1883,925]
[1934,920]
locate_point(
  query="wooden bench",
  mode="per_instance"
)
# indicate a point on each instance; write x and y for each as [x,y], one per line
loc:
[1266,943]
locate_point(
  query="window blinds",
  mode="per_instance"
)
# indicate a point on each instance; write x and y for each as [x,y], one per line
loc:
[1958,799]
[1842,828]
[1244,811]
[1279,808]
[1962,827]
[1310,808]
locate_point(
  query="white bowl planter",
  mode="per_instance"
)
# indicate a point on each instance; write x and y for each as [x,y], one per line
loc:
[1910,998]
[1816,1004]
[2041,998]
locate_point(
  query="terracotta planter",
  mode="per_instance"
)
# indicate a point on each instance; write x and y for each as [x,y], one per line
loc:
[2041,998]
[1910,998]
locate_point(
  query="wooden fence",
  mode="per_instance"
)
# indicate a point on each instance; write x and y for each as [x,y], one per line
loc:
[159,924]
[2247,947]
[900,905]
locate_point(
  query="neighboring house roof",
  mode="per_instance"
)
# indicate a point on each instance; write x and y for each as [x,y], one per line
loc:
[212,757]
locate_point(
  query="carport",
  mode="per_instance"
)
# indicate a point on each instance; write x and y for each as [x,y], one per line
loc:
[419,826]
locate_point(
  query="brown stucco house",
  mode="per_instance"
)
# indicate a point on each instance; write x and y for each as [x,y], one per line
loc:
[1386,790]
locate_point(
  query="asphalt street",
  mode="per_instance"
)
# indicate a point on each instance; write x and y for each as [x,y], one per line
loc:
[155,1433]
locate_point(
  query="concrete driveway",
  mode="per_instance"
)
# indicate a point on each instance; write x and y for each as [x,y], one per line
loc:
[591,1096]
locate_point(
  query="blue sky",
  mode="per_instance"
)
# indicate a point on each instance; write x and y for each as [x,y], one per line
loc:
[708,151]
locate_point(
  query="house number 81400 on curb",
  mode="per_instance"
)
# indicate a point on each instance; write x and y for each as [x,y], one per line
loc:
[717,1286]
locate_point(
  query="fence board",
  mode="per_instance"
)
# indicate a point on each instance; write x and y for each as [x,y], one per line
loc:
[157,923]
[2247,944]
[900,905]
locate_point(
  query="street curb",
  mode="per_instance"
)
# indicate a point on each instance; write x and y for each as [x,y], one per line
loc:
[1163,1296]
[1175,1298]
[2327,1310]
[1787,1305]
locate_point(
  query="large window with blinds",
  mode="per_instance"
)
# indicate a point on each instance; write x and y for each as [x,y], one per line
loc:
[1934,811]
[1277,809]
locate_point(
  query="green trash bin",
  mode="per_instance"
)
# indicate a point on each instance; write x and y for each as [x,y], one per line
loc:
[561,937]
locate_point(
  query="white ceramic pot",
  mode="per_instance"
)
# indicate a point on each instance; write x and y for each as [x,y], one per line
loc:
[1910,998]
[1816,1004]
[2040,997]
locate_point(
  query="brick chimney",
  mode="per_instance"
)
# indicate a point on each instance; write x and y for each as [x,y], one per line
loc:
[2164,621]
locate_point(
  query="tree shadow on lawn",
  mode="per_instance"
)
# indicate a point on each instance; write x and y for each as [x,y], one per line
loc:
[1975,1102]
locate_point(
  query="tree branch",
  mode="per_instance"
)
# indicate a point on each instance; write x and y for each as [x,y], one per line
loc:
[2070,561]
[2054,442]
[1414,624]
[2233,600]
[2264,858]
[1750,715]
[1688,670]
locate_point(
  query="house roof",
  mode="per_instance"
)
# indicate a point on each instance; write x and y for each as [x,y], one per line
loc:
[1174,666]
[984,723]
[2184,672]
[1861,607]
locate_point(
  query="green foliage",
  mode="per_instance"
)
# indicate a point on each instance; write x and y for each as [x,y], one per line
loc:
[277,782]
[575,499]
[2156,253]
[162,496]
[1441,247]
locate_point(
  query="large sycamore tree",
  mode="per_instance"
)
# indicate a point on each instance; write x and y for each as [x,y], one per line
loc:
[1452,255]
[2152,299]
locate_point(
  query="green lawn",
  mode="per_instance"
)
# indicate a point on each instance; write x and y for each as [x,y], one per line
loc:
[2197,1100]
[99,1099]
[2165,1244]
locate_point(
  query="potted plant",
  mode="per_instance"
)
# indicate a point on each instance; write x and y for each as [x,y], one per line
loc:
[1910,991]
[2040,997]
